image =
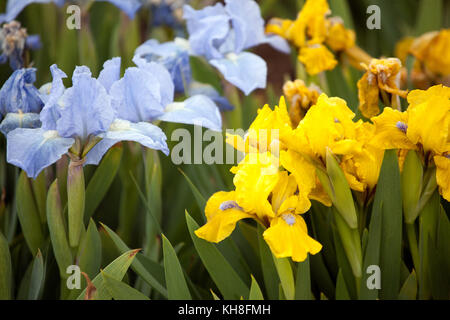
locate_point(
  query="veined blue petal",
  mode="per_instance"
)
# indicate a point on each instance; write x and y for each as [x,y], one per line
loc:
[208,30]
[174,57]
[110,72]
[85,107]
[130,7]
[51,111]
[246,70]
[137,97]
[166,85]
[247,23]
[198,110]
[19,120]
[144,133]
[209,91]
[19,94]
[35,149]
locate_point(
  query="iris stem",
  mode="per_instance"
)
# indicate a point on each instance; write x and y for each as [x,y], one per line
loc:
[412,240]
[75,200]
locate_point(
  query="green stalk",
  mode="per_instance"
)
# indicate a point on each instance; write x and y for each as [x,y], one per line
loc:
[412,240]
[75,200]
[352,246]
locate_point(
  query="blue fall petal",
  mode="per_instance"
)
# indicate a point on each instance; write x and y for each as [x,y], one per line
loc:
[15,7]
[51,111]
[209,91]
[85,107]
[197,110]
[144,133]
[130,7]
[137,97]
[19,94]
[19,120]
[110,73]
[172,56]
[35,149]
[246,71]
[277,43]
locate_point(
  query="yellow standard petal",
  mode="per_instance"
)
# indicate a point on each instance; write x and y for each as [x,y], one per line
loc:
[255,178]
[443,175]
[288,236]
[300,98]
[339,38]
[222,212]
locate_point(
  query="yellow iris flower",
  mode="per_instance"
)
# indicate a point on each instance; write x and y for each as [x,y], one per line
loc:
[382,77]
[300,98]
[424,126]
[311,31]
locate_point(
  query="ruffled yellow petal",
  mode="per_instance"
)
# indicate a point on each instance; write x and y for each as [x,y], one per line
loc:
[339,38]
[288,236]
[285,187]
[317,58]
[300,98]
[368,93]
[443,175]
[390,130]
[255,178]
[429,118]
[433,50]
[325,125]
[222,213]
[304,173]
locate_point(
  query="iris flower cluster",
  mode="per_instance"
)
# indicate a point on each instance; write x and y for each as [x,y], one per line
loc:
[87,119]
[314,34]
[276,188]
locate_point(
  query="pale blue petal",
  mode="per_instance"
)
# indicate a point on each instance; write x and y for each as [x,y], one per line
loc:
[166,85]
[51,111]
[198,110]
[278,43]
[137,97]
[209,91]
[19,120]
[19,94]
[14,7]
[85,107]
[130,7]
[247,23]
[35,149]
[172,56]
[144,133]
[246,71]
[208,30]
[110,72]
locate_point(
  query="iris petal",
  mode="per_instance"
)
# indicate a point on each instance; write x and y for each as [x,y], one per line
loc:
[145,133]
[199,110]
[246,71]
[35,149]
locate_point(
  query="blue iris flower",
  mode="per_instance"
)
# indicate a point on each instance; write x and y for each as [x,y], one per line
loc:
[20,101]
[174,56]
[14,7]
[97,113]
[14,40]
[146,94]
[168,13]
[221,33]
